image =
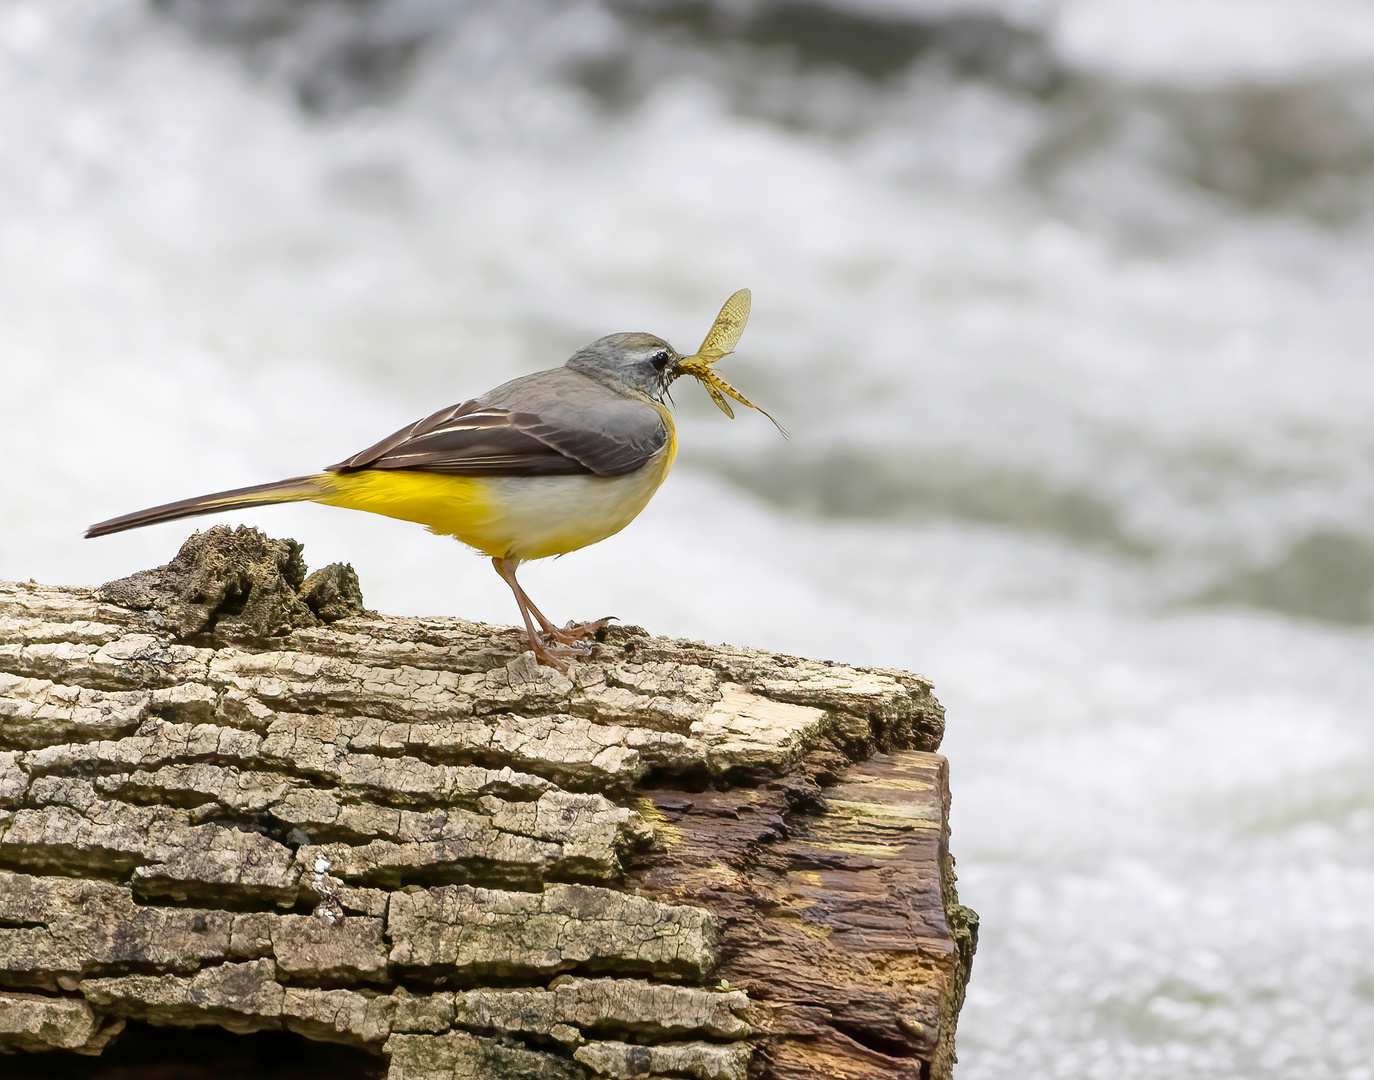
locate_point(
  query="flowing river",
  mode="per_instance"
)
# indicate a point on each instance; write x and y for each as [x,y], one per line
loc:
[1067,307]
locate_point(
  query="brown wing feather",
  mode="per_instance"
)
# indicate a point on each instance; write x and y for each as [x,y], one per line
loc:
[379,450]
[487,442]
[605,434]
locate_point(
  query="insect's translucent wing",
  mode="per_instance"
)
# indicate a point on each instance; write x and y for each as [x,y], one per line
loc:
[725,333]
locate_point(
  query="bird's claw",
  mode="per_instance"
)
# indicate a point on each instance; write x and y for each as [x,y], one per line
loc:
[573,632]
[556,656]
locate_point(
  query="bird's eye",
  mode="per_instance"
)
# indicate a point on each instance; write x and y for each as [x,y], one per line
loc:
[659,360]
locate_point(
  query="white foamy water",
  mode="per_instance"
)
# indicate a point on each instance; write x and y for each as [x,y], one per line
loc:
[1073,346]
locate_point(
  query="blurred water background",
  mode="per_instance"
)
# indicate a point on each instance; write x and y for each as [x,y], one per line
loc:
[1068,307]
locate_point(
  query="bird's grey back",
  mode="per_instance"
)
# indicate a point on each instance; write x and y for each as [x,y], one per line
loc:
[582,417]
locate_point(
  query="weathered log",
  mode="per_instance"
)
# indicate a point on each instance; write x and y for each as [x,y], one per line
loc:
[231,796]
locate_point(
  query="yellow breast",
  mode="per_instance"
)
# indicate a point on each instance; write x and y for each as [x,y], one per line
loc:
[518,517]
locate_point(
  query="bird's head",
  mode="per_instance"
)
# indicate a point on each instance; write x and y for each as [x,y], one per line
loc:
[638,361]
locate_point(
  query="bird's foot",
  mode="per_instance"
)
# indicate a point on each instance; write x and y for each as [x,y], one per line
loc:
[575,632]
[557,643]
[556,656]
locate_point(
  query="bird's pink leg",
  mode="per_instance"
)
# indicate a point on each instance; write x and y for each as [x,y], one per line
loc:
[551,656]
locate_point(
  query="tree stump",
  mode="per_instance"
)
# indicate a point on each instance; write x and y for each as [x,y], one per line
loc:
[230,796]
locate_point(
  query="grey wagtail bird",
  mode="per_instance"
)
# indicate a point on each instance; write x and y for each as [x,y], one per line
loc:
[542,465]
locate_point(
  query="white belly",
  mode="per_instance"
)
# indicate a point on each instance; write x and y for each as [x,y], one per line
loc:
[550,515]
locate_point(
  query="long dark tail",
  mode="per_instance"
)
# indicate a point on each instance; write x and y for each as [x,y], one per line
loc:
[296,489]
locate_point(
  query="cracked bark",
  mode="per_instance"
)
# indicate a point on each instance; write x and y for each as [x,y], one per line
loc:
[229,795]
